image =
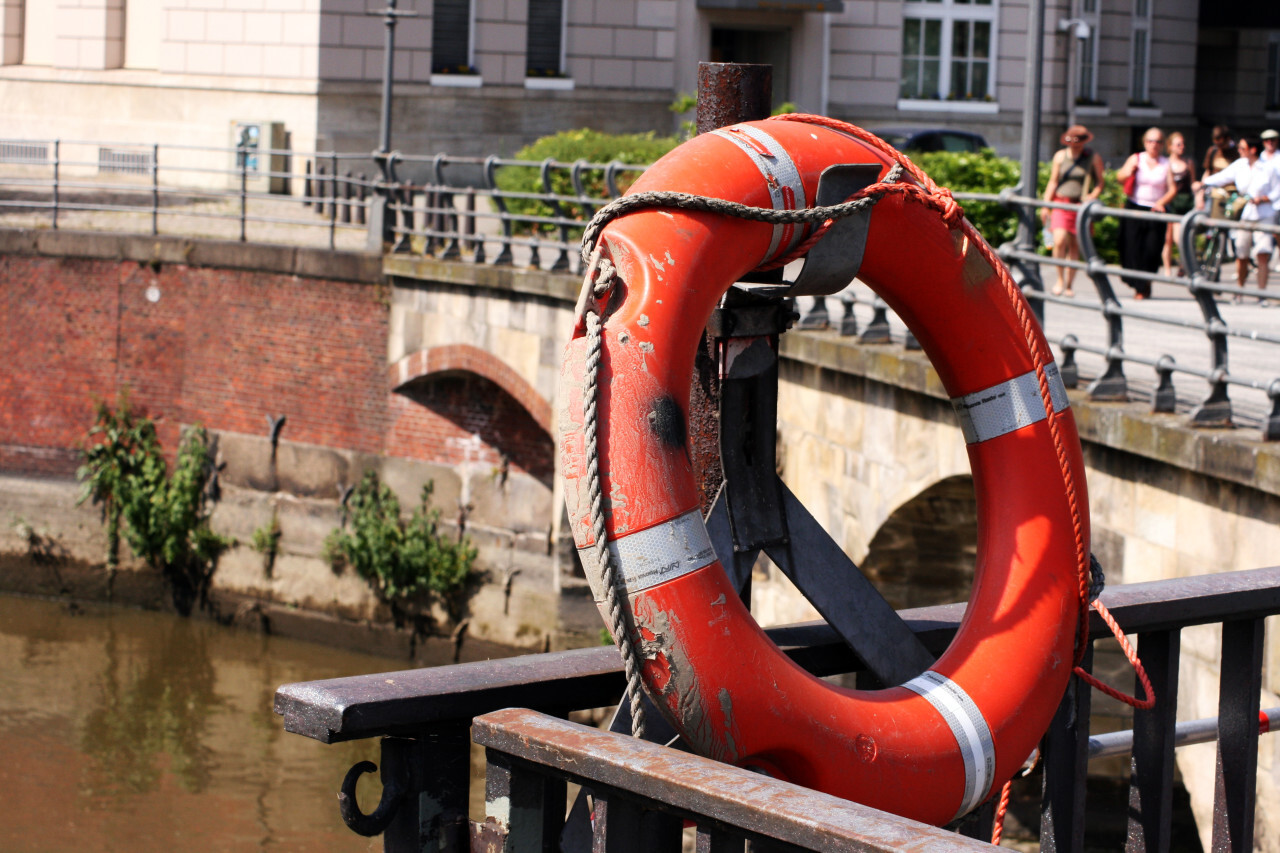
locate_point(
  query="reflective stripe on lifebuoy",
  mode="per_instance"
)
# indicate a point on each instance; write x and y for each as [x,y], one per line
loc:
[940,744]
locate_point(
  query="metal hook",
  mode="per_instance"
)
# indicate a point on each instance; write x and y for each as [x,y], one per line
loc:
[395,783]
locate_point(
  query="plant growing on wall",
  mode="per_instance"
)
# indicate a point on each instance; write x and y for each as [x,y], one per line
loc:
[403,560]
[162,516]
[266,541]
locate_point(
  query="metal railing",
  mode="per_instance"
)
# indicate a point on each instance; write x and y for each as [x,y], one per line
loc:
[456,208]
[424,717]
[263,194]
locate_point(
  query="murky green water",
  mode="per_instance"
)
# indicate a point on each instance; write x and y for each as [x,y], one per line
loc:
[123,730]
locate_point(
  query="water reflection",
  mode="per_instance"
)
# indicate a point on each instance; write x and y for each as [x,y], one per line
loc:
[122,730]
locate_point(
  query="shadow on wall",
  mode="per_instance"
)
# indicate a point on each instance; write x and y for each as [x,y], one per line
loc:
[926,550]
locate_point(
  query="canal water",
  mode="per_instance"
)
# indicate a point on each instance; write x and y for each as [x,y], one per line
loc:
[132,731]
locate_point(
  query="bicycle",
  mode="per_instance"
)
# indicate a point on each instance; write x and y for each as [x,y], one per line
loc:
[1215,245]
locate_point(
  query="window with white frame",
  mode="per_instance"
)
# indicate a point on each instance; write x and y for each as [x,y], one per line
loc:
[451,37]
[1087,66]
[544,40]
[1140,55]
[1273,73]
[948,50]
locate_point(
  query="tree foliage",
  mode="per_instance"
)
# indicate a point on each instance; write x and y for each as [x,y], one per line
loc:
[401,559]
[162,516]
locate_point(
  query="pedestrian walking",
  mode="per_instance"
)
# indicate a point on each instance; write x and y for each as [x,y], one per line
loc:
[1184,200]
[1258,184]
[1149,186]
[1076,175]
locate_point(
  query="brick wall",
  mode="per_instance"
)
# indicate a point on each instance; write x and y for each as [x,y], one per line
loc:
[227,348]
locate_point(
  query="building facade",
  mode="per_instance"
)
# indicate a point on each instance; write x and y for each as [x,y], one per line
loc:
[487,76]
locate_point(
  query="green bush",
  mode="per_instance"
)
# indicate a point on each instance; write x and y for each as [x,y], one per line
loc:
[983,172]
[402,560]
[986,172]
[164,516]
[570,146]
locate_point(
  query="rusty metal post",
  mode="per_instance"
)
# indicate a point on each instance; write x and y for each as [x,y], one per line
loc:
[728,93]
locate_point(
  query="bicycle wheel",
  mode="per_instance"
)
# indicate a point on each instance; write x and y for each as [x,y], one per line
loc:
[1215,245]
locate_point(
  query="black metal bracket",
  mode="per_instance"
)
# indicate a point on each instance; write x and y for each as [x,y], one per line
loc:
[755,511]
[395,783]
[834,260]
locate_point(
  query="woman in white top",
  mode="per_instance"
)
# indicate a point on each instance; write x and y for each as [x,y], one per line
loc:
[1141,242]
[1259,183]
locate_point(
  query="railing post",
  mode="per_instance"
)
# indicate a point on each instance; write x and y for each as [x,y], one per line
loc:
[1065,757]
[242,155]
[333,199]
[1151,763]
[523,804]
[155,189]
[491,184]
[1112,384]
[57,162]
[1239,696]
[561,263]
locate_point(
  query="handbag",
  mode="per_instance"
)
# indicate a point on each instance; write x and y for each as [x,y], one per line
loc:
[1131,184]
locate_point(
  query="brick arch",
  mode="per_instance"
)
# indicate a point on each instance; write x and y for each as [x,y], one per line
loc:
[465,358]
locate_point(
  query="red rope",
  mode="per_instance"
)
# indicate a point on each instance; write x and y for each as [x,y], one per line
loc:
[997,827]
[1147,691]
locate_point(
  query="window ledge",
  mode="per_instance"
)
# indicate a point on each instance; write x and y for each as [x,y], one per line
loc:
[926,106]
[458,81]
[1093,110]
[1144,112]
[559,84]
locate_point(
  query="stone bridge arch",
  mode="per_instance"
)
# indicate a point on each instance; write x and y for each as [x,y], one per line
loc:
[462,409]
[925,551]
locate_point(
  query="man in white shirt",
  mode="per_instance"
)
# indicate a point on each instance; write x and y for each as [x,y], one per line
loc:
[1259,183]
[1270,144]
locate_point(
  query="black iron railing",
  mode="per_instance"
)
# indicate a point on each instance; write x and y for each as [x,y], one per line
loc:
[424,716]
[456,208]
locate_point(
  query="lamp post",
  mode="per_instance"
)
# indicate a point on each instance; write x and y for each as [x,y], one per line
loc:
[380,220]
[1080,31]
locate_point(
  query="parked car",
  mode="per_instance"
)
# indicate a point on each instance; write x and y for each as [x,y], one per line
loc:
[931,139]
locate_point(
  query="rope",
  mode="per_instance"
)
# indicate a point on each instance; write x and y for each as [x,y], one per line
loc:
[602,270]
[997,826]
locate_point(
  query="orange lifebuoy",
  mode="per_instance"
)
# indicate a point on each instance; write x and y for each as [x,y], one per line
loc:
[933,748]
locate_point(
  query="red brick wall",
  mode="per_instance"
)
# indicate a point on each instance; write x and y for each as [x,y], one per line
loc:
[224,348]
[454,419]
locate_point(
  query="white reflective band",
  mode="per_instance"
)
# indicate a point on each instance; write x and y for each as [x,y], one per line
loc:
[1009,406]
[657,554]
[970,729]
[780,174]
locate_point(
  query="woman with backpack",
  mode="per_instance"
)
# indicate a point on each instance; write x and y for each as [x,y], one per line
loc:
[1075,177]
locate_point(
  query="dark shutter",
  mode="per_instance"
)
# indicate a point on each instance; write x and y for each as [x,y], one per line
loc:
[450,36]
[542,53]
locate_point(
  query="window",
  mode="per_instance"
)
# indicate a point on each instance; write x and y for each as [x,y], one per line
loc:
[451,37]
[1140,70]
[544,56]
[1273,73]
[1087,58]
[948,50]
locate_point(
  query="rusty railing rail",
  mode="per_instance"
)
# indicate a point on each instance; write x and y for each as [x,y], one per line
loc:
[424,716]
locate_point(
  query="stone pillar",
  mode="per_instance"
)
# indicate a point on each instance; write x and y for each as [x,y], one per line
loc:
[10,32]
[90,34]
